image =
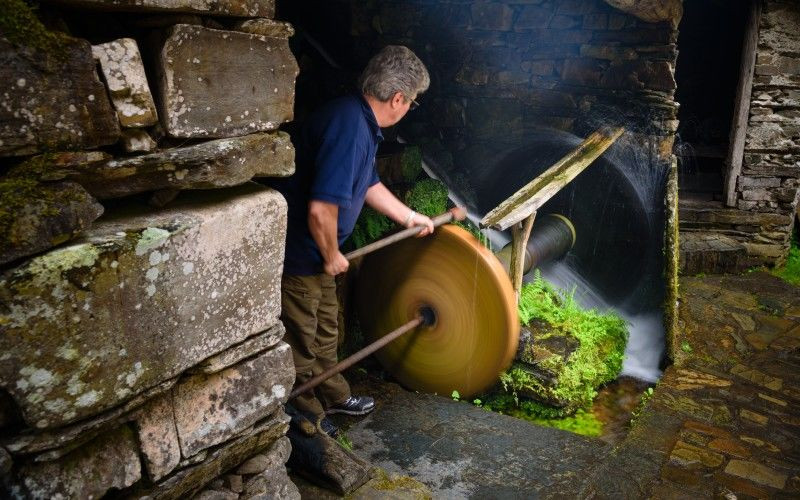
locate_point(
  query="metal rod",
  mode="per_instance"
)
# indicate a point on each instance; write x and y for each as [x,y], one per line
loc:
[355,358]
[456,213]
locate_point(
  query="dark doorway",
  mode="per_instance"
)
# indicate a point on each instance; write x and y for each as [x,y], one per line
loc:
[707,74]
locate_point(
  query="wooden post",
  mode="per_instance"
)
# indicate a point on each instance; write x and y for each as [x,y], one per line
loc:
[520,232]
[519,210]
[742,108]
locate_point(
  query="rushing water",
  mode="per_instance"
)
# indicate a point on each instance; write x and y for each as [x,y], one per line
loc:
[617,208]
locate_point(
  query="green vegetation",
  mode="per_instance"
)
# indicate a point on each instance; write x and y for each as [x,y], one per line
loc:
[572,352]
[643,401]
[582,422]
[599,340]
[344,441]
[686,347]
[455,395]
[369,227]
[428,197]
[790,272]
[20,26]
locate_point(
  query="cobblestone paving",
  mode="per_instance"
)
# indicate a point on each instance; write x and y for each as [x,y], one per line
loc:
[724,421]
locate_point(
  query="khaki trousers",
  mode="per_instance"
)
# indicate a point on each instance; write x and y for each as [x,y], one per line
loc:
[309,311]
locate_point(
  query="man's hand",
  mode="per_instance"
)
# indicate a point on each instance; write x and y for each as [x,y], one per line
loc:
[382,200]
[421,220]
[339,264]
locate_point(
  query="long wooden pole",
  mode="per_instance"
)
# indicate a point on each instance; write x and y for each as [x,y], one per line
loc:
[456,213]
[355,358]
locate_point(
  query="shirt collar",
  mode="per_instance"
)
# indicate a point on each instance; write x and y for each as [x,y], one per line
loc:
[370,116]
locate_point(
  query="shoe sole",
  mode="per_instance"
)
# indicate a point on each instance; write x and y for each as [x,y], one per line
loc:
[349,412]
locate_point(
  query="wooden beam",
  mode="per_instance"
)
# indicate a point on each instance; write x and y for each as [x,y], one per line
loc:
[742,107]
[520,233]
[537,192]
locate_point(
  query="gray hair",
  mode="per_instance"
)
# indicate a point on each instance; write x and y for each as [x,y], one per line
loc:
[394,69]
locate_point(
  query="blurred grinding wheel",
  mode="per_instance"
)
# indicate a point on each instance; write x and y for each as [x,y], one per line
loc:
[451,275]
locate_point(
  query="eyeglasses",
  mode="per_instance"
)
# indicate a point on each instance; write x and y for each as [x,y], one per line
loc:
[414,104]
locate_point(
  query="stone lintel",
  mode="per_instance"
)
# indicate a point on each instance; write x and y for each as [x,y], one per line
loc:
[233,8]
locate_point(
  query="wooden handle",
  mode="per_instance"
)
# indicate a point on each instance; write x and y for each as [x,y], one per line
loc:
[456,213]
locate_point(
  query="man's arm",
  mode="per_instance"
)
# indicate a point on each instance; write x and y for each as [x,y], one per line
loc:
[382,200]
[323,220]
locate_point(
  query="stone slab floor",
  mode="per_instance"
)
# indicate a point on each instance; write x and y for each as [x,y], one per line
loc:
[724,421]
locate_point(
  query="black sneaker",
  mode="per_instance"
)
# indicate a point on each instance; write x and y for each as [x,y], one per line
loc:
[329,428]
[354,405]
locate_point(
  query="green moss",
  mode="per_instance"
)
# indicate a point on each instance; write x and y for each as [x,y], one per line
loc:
[20,26]
[411,163]
[369,227]
[601,339]
[582,422]
[568,379]
[36,167]
[15,195]
[641,407]
[344,441]
[790,272]
[428,197]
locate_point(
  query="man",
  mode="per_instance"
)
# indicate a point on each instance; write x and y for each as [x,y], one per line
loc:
[335,175]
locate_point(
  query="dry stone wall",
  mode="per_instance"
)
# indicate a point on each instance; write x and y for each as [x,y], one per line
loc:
[141,352]
[769,185]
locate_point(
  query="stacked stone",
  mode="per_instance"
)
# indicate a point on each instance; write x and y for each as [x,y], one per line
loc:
[770,181]
[501,69]
[144,355]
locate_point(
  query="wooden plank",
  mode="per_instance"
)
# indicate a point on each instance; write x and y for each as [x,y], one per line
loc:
[537,192]
[519,240]
[742,106]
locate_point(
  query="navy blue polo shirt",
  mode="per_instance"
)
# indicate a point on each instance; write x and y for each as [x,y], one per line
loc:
[335,162]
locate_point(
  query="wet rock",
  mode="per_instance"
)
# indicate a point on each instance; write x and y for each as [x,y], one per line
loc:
[246,349]
[35,217]
[137,141]
[53,98]
[110,461]
[209,165]
[126,80]
[710,253]
[138,300]
[184,482]
[758,473]
[210,409]
[385,485]
[161,451]
[266,27]
[224,83]
[242,8]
